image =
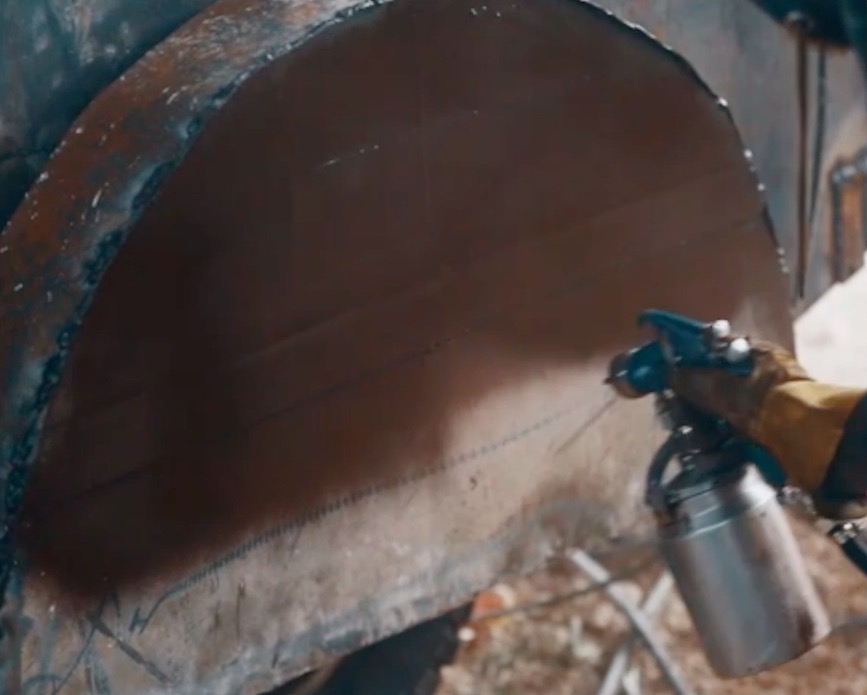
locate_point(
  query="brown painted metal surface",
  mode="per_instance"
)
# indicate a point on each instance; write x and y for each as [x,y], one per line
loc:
[58,57]
[348,368]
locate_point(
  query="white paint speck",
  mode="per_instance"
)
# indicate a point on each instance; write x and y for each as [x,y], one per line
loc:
[126,33]
[42,177]
[43,41]
[95,201]
[19,287]
[49,296]
[466,634]
[79,130]
[3,249]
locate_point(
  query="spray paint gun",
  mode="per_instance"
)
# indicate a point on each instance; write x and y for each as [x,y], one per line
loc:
[721,529]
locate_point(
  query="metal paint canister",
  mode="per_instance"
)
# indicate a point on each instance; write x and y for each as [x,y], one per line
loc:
[740,572]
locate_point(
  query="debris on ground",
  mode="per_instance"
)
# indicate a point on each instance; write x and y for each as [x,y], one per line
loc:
[566,648]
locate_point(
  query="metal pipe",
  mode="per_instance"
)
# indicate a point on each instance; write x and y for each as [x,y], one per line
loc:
[637,619]
[651,607]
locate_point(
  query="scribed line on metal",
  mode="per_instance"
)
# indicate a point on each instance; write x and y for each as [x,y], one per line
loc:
[141,619]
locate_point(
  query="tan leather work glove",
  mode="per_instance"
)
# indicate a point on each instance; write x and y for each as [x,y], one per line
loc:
[817,432]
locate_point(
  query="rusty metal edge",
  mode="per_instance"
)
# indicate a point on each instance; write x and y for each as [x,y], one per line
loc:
[107,170]
[74,219]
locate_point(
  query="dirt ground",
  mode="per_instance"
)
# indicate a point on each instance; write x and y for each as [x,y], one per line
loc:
[566,648]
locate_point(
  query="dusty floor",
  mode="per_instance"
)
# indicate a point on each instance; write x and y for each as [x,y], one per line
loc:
[566,648]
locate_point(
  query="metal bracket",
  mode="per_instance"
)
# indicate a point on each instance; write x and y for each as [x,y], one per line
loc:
[849,215]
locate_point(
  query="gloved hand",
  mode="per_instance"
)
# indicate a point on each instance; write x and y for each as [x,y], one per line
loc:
[817,432]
